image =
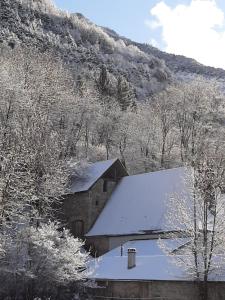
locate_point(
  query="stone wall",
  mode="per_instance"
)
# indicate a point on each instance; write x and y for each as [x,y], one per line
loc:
[155,290]
[99,199]
[85,207]
[115,241]
[97,245]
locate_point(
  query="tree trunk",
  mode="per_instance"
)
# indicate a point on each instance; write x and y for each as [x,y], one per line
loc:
[163,152]
[107,150]
[204,290]
[86,141]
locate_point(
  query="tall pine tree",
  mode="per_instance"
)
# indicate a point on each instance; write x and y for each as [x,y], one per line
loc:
[125,94]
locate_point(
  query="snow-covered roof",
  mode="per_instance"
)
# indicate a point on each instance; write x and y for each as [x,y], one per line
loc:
[138,203]
[151,263]
[90,175]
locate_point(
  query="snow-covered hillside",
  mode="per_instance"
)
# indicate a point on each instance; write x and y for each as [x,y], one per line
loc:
[85,46]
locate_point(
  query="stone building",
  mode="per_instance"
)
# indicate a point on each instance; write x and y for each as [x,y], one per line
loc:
[88,194]
[107,207]
[135,209]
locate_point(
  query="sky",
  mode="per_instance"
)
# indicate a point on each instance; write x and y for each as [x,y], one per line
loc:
[194,28]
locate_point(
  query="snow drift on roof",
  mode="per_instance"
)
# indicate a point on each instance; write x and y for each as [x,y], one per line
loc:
[90,175]
[138,203]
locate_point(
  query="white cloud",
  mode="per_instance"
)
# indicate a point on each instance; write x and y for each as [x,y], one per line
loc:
[196,30]
[154,43]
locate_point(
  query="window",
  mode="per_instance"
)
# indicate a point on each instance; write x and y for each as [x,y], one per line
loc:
[96,202]
[105,186]
[78,228]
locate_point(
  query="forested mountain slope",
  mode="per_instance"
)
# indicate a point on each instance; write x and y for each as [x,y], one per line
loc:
[179,65]
[86,47]
[81,44]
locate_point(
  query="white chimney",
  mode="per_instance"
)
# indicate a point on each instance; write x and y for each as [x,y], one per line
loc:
[131,252]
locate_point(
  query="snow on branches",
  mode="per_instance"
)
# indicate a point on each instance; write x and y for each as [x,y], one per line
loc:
[44,257]
[197,213]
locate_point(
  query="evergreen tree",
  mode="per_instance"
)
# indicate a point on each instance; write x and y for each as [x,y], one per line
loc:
[80,85]
[103,82]
[125,94]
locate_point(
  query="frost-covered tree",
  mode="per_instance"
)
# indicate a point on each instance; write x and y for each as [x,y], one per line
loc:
[197,213]
[80,124]
[144,139]
[198,110]
[103,83]
[108,120]
[163,108]
[36,96]
[125,94]
[46,6]
[39,262]
[32,174]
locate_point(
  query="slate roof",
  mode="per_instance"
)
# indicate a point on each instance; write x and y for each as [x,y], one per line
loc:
[92,173]
[138,203]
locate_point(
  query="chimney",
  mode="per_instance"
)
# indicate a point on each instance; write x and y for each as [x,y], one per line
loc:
[131,258]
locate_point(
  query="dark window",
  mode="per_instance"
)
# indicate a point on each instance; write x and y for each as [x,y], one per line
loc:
[96,202]
[105,186]
[78,228]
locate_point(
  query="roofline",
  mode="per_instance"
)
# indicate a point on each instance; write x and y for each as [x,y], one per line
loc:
[122,165]
[84,191]
[156,280]
[116,235]
[143,280]
[154,232]
[116,159]
[159,171]
[127,174]
[72,193]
